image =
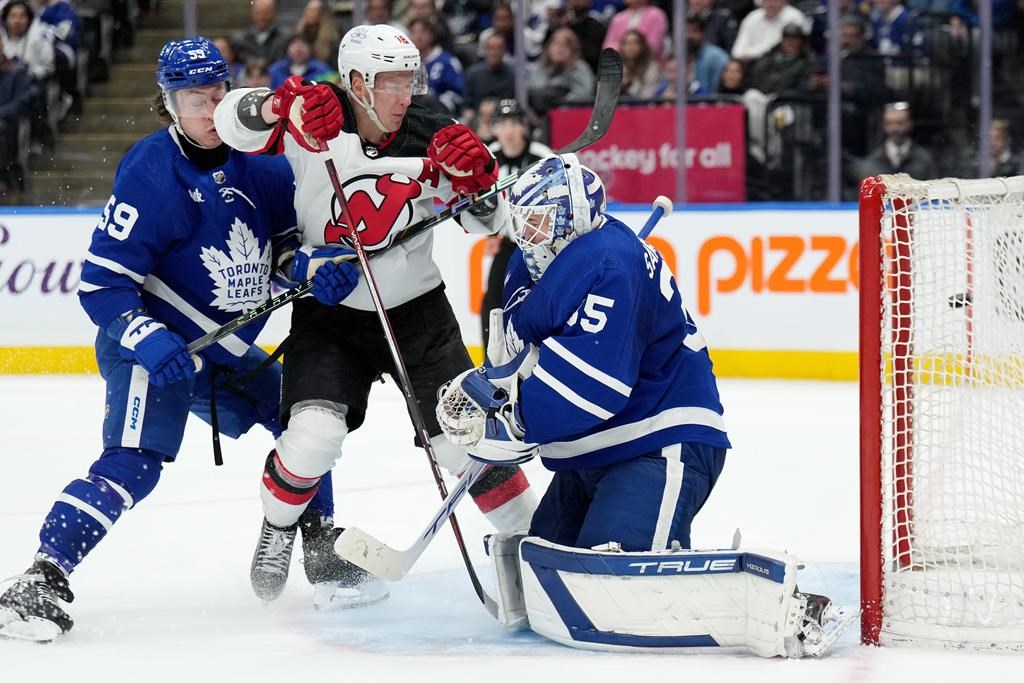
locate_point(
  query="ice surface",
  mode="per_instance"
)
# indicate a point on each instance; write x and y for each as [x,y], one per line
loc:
[166,597]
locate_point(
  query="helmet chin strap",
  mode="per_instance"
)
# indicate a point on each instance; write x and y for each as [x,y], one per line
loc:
[368,108]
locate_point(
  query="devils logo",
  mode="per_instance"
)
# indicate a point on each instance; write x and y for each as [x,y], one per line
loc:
[379,206]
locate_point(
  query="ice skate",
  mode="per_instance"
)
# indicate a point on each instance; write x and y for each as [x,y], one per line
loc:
[823,623]
[337,583]
[269,570]
[30,608]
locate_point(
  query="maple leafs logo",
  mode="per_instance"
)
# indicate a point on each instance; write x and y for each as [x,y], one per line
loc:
[241,277]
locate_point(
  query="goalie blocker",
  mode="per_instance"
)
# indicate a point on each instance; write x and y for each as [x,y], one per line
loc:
[687,600]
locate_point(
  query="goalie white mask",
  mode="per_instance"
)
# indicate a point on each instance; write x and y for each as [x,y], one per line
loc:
[556,201]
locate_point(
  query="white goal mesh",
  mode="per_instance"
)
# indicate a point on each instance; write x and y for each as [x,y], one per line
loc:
[952,412]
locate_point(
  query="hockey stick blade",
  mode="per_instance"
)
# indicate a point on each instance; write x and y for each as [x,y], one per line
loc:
[377,557]
[609,83]
[609,78]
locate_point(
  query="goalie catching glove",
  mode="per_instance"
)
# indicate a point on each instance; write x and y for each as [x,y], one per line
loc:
[479,411]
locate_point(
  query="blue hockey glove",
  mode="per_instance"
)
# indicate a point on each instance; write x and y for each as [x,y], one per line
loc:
[333,279]
[161,352]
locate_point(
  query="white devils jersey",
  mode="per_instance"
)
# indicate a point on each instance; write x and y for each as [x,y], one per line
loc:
[387,188]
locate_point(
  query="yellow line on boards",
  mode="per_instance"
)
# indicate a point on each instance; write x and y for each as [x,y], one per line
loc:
[829,365]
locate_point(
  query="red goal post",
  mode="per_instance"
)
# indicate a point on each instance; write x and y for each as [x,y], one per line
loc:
[942,412]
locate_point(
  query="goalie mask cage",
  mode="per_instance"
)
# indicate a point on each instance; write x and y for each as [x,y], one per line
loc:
[942,412]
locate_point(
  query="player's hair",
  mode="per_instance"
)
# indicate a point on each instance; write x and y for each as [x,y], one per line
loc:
[160,109]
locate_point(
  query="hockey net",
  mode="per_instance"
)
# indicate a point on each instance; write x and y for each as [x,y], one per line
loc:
[942,412]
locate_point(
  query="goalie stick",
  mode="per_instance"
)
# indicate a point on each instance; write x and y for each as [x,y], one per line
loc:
[378,558]
[609,79]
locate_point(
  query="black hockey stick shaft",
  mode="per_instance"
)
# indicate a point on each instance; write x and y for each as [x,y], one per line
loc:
[405,383]
[609,80]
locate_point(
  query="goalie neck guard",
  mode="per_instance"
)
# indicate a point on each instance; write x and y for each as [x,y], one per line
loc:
[553,203]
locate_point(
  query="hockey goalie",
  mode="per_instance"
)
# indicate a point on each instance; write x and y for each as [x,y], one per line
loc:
[595,366]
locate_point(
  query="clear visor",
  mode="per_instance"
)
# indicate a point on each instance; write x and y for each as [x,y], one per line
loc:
[400,83]
[195,103]
[533,226]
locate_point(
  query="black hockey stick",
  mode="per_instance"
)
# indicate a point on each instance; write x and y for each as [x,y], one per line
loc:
[405,383]
[609,80]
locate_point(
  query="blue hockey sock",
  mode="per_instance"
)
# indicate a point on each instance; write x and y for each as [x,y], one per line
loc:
[87,508]
[322,502]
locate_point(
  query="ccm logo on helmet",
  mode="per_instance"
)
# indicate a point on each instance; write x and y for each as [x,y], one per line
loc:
[685,566]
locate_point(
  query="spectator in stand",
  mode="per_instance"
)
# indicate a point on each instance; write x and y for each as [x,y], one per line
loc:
[604,10]
[427,9]
[65,33]
[862,87]
[890,23]
[491,77]
[1004,162]
[26,43]
[483,121]
[379,12]
[228,53]
[255,74]
[560,75]
[640,76]
[667,87]
[785,67]
[465,19]
[818,37]
[298,62]
[578,17]
[761,30]
[734,79]
[898,153]
[15,102]
[719,25]
[317,27]
[444,71]
[708,59]
[639,15]
[502,22]
[536,28]
[264,39]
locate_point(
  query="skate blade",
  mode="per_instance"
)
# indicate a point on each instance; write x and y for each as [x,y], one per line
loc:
[842,619]
[331,596]
[33,629]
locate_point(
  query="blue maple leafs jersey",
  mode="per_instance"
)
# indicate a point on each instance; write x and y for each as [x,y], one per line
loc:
[191,246]
[622,370]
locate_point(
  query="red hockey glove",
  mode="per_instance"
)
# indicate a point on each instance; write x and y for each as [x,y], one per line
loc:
[464,158]
[311,111]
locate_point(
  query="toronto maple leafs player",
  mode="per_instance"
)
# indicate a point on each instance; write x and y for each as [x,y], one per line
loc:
[183,246]
[394,159]
[611,384]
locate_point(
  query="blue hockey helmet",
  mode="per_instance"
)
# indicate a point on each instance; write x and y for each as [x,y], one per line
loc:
[190,63]
[556,201]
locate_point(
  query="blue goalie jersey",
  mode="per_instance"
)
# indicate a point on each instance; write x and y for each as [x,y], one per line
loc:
[193,247]
[622,370]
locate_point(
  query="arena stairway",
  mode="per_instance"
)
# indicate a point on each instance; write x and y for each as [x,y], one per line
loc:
[117,112]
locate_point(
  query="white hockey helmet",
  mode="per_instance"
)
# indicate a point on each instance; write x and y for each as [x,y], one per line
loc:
[370,50]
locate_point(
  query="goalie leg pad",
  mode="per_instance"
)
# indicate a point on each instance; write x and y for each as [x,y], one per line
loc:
[503,549]
[687,600]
